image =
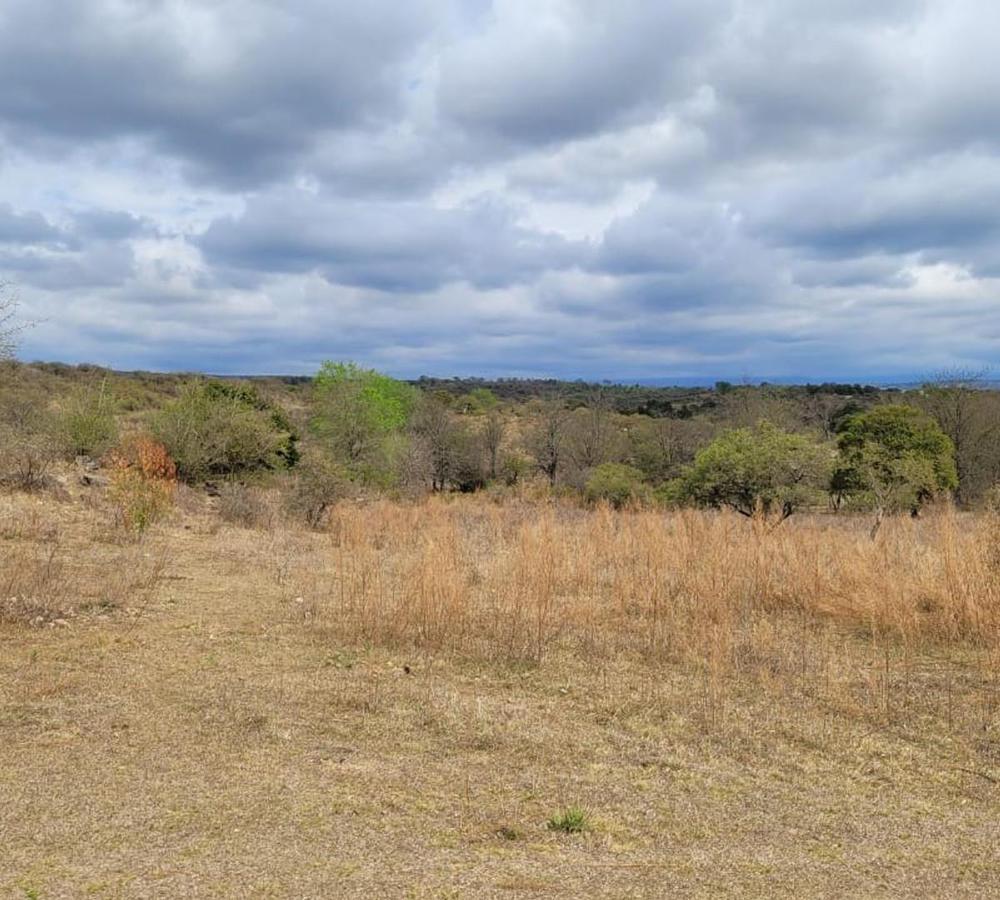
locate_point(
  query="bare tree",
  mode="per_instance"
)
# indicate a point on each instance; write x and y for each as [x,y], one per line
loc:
[547,440]
[968,413]
[493,431]
[9,326]
[593,433]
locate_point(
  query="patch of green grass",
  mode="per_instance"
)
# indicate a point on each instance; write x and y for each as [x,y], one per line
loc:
[571,821]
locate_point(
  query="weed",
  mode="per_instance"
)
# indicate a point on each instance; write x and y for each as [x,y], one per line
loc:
[570,821]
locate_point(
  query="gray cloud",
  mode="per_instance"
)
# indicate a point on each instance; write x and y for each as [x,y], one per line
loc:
[389,246]
[25,227]
[237,90]
[542,73]
[564,186]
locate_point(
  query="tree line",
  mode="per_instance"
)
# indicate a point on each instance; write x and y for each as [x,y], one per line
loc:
[752,448]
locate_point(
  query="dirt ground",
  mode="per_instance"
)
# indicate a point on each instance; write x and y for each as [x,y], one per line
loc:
[208,739]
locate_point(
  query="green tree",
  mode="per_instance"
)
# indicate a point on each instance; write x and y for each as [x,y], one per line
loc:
[758,469]
[894,457]
[361,414]
[478,401]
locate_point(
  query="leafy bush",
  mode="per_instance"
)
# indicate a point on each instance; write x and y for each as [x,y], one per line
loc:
[513,468]
[360,414]
[895,457]
[614,483]
[287,450]
[216,429]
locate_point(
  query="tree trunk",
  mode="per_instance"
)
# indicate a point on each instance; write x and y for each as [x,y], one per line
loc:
[879,516]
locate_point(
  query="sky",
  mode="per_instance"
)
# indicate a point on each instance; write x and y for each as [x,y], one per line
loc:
[689,189]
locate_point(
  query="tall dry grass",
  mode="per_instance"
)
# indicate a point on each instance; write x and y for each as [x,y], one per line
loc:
[510,582]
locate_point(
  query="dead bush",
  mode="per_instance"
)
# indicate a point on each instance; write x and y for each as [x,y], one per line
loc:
[244,505]
[143,481]
[318,484]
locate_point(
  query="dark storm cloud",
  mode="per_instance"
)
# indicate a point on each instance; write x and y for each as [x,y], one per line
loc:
[518,186]
[941,208]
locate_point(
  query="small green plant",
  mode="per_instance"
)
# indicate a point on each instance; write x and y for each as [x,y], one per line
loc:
[571,821]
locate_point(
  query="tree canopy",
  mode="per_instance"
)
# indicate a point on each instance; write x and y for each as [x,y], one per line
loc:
[894,456]
[758,469]
[358,412]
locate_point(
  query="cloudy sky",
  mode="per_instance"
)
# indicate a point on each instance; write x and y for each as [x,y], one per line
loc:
[579,188]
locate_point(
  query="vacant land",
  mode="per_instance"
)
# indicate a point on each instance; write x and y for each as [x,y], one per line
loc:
[405,703]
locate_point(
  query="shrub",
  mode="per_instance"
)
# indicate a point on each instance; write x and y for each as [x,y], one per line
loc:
[614,483]
[216,429]
[86,424]
[26,458]
[143,480]
[319,483]
[513,468]
[359,415]
[242,505]
[28,445]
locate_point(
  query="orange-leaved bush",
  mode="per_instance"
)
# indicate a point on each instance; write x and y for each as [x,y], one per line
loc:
[143,481]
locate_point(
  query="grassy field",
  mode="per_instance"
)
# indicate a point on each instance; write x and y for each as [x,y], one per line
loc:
[465,699]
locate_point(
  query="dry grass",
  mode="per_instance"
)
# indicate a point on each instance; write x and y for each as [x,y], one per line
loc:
[508,582]
[399,706]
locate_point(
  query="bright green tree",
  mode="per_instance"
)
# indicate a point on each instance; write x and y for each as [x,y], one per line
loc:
[361,414]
